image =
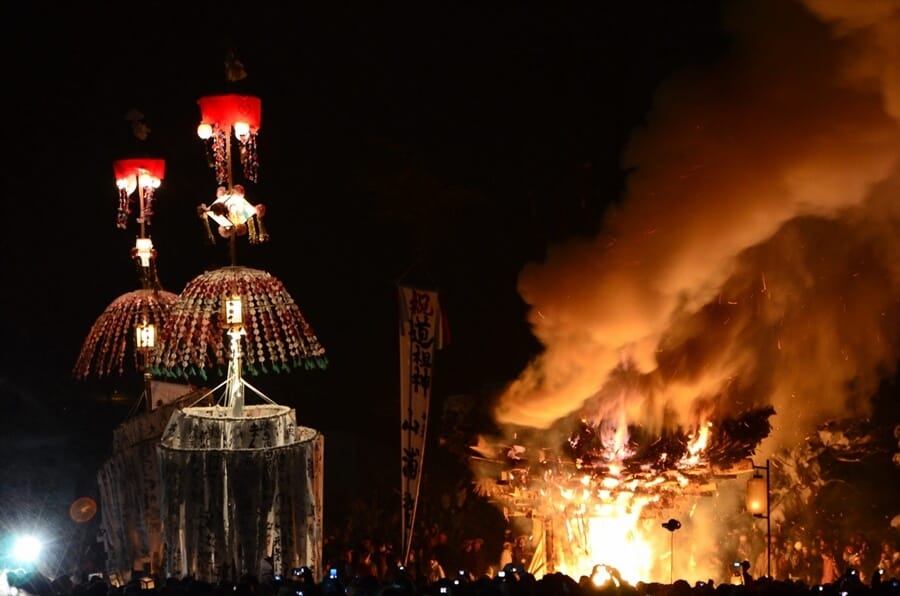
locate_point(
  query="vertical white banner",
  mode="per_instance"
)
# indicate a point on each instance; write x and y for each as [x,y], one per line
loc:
[420,335]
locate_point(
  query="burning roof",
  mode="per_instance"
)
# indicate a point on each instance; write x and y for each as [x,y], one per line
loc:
[600,460]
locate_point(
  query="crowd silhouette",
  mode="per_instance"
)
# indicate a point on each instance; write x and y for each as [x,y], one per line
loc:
[817,567]
[510,581]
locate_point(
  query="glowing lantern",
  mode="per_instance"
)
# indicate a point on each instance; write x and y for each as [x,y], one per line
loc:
[224,115]
[145,336]
[757,496]
[241,130]
[141,174]
[143,250]
[758,505]
[234,312]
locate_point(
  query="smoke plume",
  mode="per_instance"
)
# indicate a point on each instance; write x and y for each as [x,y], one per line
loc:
[754,258]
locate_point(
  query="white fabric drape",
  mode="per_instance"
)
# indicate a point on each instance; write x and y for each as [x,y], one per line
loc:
[130,521]
[235,490]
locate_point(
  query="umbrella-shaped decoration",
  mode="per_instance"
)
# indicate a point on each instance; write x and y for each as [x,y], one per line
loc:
[275,334]
[128,324]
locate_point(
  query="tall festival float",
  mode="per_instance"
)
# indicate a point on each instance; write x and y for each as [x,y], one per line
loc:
[120,342]
[241,480]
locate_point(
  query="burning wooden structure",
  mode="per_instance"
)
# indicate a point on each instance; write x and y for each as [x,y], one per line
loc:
[595,497]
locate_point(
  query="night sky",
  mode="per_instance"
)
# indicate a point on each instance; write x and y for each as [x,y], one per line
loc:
[450,143]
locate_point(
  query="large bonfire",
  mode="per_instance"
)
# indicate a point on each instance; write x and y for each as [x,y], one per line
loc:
[599,494]
[751,267]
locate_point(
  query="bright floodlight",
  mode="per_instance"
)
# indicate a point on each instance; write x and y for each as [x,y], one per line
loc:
[26,549]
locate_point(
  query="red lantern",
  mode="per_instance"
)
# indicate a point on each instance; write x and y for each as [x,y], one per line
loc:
[124,168]
[222,115]
[143,174]
[225,111]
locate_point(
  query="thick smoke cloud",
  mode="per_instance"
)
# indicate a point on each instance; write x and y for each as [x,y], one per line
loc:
[755,256]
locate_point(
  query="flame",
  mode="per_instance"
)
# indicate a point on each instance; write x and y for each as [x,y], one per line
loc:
[596,513]
[615,537]
[597,509]
[696,446]
[601,525]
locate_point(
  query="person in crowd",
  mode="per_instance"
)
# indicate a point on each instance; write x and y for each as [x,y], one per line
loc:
[746,578]
[442,552]
[479,561]
[790,560]
[267,571]
[434,571]
[506,555]
[815,566]
[743,549]
[885,555]
[520,554]
[804,565]
[830,571]
[466,561]
[772,564]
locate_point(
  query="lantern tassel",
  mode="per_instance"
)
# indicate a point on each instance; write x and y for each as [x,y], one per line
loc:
[201,213]
[210,152]
[262,234]
[220,156]
[124,210]
[252,232]
[249,157]
[147,212]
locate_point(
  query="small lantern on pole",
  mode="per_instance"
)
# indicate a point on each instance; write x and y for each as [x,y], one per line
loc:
[145,336]
[234,312]
[758,506]
[144,342]
[143,251]
[233,321]
[142,175]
